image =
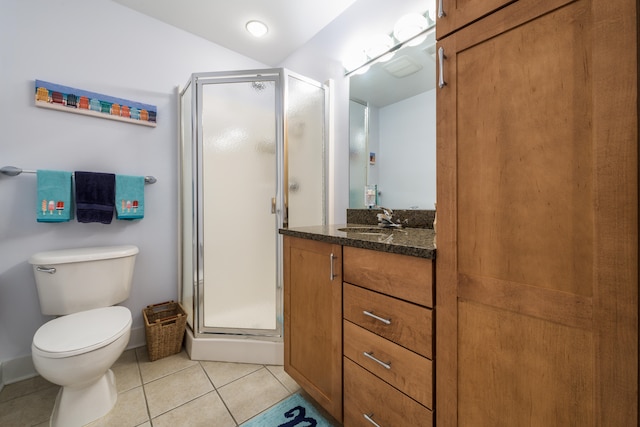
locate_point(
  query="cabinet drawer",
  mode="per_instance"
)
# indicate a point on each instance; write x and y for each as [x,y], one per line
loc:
[402,276]
[410,325]
[366,394]
[402,368]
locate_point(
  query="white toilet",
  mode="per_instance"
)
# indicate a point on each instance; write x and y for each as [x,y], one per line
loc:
[77,349]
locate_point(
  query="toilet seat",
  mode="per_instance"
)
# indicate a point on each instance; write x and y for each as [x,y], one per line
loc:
[81,332]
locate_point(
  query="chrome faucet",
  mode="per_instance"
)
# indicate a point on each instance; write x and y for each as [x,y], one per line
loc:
[385,219]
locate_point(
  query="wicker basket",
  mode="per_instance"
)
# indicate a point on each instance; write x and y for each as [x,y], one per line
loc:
[164,327]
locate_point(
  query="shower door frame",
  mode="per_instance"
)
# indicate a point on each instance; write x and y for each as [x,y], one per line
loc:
[280,78]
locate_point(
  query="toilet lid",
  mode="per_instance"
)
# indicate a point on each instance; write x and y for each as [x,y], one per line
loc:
[82,332]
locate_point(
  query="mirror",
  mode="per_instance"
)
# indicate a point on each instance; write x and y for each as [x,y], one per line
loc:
[392,129]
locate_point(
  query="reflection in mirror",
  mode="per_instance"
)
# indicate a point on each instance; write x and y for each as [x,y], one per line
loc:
[392,138]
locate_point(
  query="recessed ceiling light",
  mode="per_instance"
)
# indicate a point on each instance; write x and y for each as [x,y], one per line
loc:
[257,28]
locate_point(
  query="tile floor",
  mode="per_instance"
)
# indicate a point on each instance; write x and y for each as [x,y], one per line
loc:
[174,391]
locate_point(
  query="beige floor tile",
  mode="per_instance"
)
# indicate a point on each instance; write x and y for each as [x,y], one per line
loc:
[30,409]
[252,394]
[205,411]
[284,378]
[21,388]
[151,371]
[176,389]
[130,411]
[127,371]
[222,373]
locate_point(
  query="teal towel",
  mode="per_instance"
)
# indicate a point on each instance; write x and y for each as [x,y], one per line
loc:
[129,197]
[54,196]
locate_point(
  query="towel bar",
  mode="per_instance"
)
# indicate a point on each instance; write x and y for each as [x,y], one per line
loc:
[13,171]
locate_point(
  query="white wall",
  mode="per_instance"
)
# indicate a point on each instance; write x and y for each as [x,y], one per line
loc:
[103,47]
[406,160]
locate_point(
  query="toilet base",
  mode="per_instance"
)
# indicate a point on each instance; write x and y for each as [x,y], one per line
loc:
[77,406]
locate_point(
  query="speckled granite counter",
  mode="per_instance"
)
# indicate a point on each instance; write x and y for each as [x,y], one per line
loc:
[406,241]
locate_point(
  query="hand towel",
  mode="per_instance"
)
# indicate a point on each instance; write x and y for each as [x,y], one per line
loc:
[95,196]
[54,196]
[129,197]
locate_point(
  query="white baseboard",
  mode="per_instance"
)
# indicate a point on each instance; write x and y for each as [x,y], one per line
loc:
[137,338]
[18,369]
[14,370]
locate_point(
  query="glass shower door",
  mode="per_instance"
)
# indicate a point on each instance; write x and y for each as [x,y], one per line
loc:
[305,162]
[358,153]
[239,219]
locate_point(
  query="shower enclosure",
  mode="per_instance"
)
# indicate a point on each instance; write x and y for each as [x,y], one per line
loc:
[252,160]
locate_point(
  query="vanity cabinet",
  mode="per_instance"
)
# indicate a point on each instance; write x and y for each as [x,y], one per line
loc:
[388,332]
[313,319]
[537,188]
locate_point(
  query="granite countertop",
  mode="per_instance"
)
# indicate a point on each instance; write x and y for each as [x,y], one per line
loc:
[405,241]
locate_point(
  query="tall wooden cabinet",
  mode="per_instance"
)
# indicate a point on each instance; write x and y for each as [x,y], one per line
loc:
[313,319]
[537,169]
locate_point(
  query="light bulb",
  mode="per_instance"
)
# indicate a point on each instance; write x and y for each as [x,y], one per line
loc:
[409,26]
[378,45]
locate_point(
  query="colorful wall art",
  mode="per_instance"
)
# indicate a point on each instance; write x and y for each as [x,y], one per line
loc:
[64,98]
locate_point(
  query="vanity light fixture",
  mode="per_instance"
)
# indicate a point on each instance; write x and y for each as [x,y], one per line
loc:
[379,45]
[257,28]
[408,27]
[410,30]
[355,61]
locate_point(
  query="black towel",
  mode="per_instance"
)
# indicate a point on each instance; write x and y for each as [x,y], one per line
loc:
[95,196]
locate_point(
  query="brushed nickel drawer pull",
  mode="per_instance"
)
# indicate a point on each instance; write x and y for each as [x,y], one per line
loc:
[383,320]
[370,419]
[49,270]
[441,13]
[331,273]
[375,359]
[441,58]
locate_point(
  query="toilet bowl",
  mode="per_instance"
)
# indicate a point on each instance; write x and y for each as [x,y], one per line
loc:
[76,352]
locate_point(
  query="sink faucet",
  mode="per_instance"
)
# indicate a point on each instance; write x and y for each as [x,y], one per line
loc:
[385,219]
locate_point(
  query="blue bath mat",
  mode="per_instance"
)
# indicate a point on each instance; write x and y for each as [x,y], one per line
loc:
[292,412]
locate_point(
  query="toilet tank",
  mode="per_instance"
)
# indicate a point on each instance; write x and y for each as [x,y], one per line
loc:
[72,280]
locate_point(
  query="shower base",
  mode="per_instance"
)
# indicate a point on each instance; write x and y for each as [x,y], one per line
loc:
[236,349]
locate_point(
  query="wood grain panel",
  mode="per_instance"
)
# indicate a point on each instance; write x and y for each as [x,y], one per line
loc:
[531,369]
[364,393]
[459,13]
[561,307]
[411,325]
[528,226]
[409,372]
[405,277]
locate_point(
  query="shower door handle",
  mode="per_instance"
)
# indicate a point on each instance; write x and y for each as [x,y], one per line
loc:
[273,205]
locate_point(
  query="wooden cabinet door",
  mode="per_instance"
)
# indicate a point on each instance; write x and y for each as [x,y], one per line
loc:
[537,151]
[313,319]
[455,14]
